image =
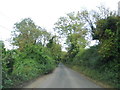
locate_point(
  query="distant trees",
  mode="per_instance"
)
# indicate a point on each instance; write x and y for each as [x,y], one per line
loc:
[55,49]
[71,27]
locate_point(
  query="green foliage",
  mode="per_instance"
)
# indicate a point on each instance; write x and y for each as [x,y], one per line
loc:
[25,69]
[31,59]
[109,39]
[38,52]
[89,57]
[7,68]
[72,28]
[55,49]
[93,17]
[69,24]
[106,79]
[25,33]
[102,60]
[106,28]
[32,62]
[92,64]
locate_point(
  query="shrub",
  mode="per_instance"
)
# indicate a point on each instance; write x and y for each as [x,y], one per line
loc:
[26,69]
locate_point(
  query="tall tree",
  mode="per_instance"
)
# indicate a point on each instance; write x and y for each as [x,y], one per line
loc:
[91,17]
[25,33]
[73,29]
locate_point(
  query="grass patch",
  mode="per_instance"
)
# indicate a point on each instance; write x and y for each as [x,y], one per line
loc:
[93,75]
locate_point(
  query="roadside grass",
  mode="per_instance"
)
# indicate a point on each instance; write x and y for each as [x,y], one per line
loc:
[93,75]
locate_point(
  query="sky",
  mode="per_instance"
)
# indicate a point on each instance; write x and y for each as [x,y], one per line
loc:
[43,12]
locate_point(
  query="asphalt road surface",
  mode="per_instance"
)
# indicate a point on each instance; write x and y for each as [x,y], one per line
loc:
[63,77]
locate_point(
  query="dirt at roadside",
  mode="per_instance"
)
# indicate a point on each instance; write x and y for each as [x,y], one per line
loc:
[24,84]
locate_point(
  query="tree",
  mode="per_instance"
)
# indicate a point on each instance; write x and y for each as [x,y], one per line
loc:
[92,17]
[6,67]
[55,49]
[44,37]
[73,29]
[25,33]
[106,27]
[108,31]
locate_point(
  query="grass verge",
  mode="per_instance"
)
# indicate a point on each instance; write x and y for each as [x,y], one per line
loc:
[92,75]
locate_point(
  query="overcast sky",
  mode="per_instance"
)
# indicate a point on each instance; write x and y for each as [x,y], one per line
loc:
[43,12]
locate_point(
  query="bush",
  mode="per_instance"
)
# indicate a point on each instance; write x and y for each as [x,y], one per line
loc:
[26,69]
[19,66]
[88,57]
[90,62]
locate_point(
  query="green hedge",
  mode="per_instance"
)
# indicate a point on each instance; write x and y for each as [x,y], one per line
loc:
[20,66]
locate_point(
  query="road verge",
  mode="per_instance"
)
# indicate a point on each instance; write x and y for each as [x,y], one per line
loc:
[86,73]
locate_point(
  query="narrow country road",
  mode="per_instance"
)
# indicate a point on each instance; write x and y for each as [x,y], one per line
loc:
[63,77]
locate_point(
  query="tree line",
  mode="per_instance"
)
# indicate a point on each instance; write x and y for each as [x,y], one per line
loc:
[38,52]
[102,61]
